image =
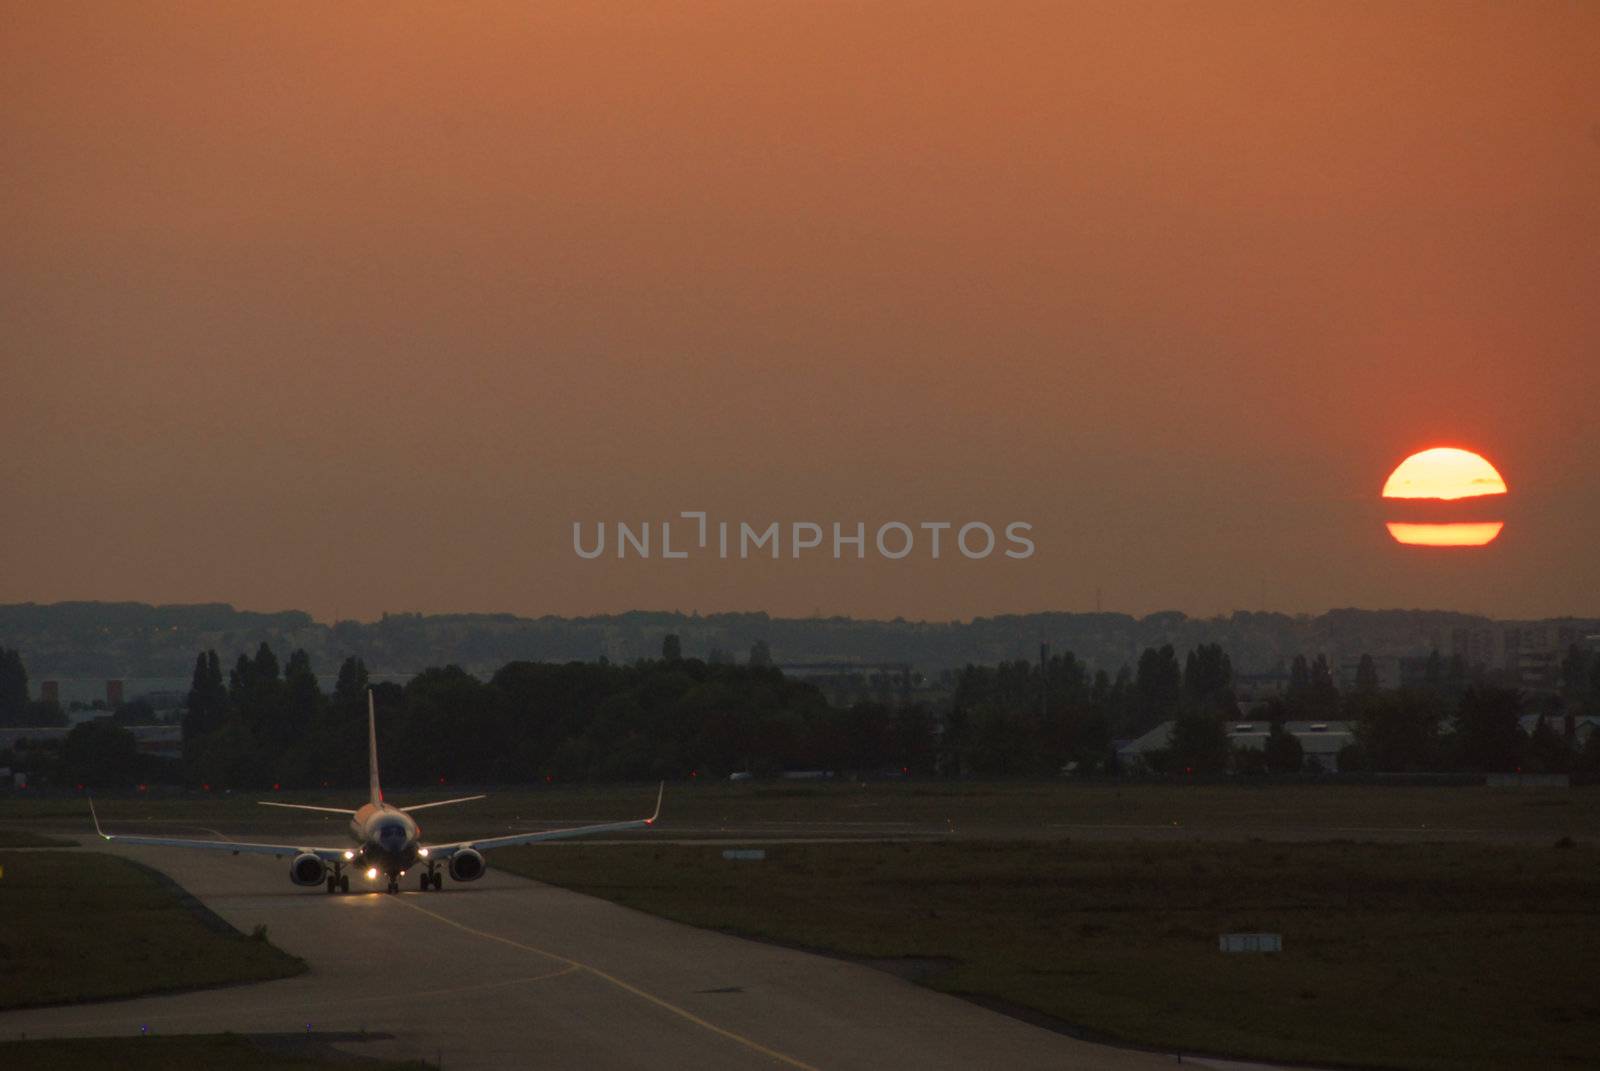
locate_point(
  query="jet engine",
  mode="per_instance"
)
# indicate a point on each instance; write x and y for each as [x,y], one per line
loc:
[467,865]
[307,869]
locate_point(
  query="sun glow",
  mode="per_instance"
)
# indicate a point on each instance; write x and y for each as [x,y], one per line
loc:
[1445,479]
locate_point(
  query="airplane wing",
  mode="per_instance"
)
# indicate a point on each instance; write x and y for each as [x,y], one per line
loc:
[445,851]
[442,803]
[306,807]
[329,855]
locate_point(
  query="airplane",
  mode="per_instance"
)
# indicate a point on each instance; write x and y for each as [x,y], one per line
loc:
[387,838]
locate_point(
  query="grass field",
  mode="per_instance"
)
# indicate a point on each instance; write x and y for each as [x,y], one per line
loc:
[226,1052]
[1410,956]
[84,926]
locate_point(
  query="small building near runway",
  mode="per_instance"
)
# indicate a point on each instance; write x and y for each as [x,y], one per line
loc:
[1320,742]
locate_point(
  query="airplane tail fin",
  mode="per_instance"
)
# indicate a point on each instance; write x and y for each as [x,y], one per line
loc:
[372,750]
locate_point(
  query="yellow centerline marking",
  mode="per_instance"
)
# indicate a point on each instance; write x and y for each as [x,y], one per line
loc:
[682,1013]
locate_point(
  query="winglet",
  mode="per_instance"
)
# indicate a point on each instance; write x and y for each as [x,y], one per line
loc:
[660,791]
[96,818]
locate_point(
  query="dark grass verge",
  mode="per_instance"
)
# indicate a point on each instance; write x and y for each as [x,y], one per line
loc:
[24,838]
[224,1052]
[82,926]
[1422,957]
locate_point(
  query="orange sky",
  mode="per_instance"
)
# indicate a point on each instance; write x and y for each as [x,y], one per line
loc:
[358,309]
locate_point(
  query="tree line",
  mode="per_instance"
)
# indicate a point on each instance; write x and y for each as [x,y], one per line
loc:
[264,723]
[672,717]
[1039,718]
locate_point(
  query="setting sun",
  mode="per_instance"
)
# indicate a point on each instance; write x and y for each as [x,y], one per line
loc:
[1444,474]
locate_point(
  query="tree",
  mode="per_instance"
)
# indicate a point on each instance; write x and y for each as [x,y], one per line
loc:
[1299,676]
[304,694]
[100,754]
[1312,693]
[350,690]
[1199,742]
[1367,675]
[208,695]
[241,679]
[229,756]
[1208,677]
[1548,750]
[13,688]
[1399,731]
[1586,763]
[207,707]
[266,663]
[341,731]
[262,701]
[1283,753]
[451,725]
[1575,673]
[672,648]
[760,654]
[1488,730]
[1118,701]
[1157,686]
[912,738]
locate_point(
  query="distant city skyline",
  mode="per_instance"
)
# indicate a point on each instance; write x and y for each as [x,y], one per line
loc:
[312,308]
[97,640]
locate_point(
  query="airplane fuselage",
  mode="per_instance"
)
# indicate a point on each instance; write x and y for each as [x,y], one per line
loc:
[387,837]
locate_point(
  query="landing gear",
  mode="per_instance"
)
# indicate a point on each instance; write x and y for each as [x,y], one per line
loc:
[432,878]
[394,886]
[438,880]
[423,881]
[344,883]
[333,884]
